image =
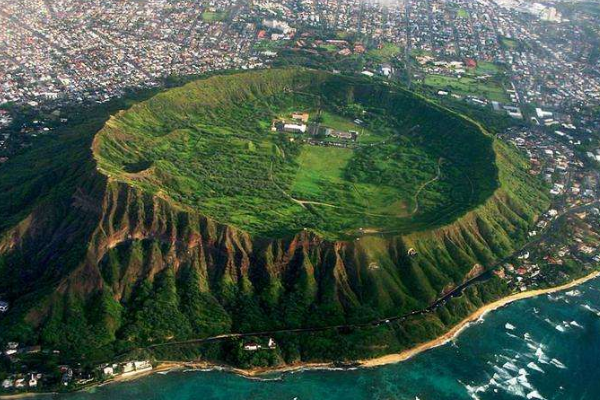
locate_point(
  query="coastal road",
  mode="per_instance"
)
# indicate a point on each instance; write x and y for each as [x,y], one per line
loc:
[429,309]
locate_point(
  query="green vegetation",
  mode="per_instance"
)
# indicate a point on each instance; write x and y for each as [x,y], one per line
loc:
[462,13]
[386,52]
[510,43]
[329,47]
[137,242]
[487,68]
[210,148]
[468,86]
[209,16]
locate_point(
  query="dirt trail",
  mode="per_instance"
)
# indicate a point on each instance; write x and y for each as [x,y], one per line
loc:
[424,185]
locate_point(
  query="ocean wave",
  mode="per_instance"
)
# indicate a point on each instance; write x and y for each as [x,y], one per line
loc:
[558,364]
[510,378]
[501,374]
[573,293]
[259,379]
[576,324]
[553,297]
[523,381]
[509,366]
[541,356]
[534,367]
[592,309]
[535,395]
[474,390]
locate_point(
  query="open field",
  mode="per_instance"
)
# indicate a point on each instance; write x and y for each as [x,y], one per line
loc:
[510,43]
[467,86]
[209,16]
[388,51]
[485,68]
[462,13]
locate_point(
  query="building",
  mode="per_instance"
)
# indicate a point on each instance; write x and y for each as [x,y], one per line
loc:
[136,367]
[294,128]
[252,346]
[352,135]
[470,63]
[4,306]
[33,381]
[300,117]
[142,366]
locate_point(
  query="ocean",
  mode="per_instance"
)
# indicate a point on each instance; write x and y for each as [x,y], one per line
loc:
[546,347]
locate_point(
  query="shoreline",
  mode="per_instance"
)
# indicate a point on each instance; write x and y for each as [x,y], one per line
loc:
[454,332]
[462,325]
[405,354]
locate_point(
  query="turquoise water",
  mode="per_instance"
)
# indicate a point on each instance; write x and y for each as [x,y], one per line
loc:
[542,348]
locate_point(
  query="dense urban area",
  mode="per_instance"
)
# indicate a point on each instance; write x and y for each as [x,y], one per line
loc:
[533,66]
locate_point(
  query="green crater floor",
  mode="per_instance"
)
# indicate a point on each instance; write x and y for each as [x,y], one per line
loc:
[210,145]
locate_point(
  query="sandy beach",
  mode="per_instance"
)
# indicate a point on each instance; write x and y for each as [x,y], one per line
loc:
[167,366]
[397,357]
[456,330]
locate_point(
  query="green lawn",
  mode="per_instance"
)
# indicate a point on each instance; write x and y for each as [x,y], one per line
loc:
[329,47]
[319,168]
[388,51]
[510,43]
[208,16]
[468,86]
[462,13]
[487,68]
[338,122]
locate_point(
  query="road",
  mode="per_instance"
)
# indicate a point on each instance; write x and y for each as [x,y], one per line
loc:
[429,309]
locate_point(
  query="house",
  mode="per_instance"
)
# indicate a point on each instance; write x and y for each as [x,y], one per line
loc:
[359,48]
[11,348]
[386,70]
[470,63]
[298,116]
[252,346]
[142,366]
[4,306]
[128,368]
[108,371]
[7,383]
[272,344]
[33,381]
